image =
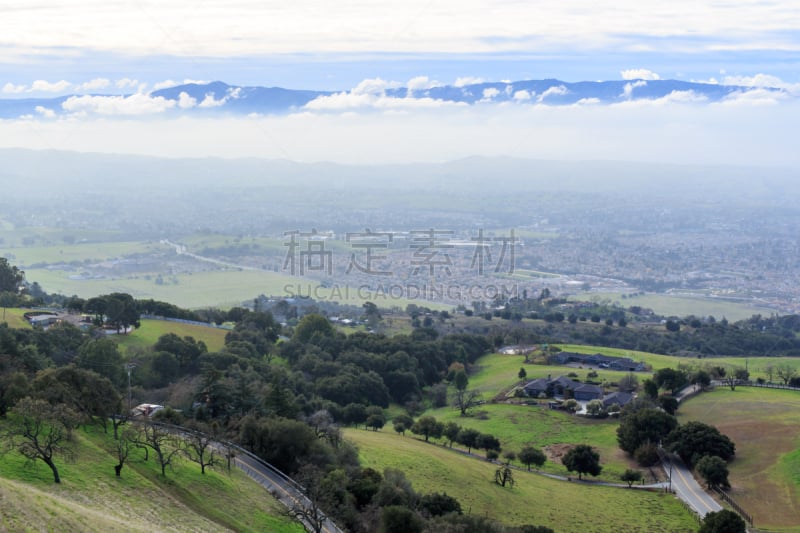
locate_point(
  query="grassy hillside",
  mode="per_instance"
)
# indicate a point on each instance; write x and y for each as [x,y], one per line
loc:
[91,498]
[14,317]
[765,426]
[563,506]
[151,330]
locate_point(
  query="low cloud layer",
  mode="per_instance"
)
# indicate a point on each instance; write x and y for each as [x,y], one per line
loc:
[750,128]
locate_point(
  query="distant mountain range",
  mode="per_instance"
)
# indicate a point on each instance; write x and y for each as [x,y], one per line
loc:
[219,97]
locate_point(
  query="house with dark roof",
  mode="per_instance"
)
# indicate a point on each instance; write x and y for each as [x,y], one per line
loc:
[619,398]
[584,392]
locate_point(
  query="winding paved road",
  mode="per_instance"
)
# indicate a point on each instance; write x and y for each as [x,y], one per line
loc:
[687,488]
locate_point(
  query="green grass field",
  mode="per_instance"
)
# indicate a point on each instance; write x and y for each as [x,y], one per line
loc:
[14,317]
[565,507]
[206,289]
[151,330]
[520,425]
[83,252]
[756,365]
[666,305]
[765,426]
[91,498]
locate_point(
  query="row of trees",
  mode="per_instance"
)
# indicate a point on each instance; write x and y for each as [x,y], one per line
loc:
[644,427]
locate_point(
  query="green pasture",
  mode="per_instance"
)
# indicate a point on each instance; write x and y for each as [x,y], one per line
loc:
[496,373]
[204,289]
[16,238]
[757,366]
[535,499]
[88,252]
[517,426]
[91,498]
[15,318]
[681,306]
[765,426]
[150,330]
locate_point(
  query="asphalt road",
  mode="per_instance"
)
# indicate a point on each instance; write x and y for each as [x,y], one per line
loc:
[283,489]
[687,488]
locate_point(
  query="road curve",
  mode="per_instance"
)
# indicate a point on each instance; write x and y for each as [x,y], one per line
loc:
[687,488]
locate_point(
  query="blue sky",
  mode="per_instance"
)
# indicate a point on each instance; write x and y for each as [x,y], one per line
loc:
[51,47]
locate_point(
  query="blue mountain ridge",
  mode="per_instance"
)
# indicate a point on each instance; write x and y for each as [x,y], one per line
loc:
[219,97]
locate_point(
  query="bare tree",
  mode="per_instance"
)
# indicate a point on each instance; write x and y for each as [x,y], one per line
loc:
[465,400]
[308,509]
[122,447]
[504,476]
[39,430]
[161,441]
[786,373]
[199,448]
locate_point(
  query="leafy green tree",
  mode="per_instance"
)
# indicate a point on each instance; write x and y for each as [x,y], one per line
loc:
[439,504]
[460,380]
[468,437]
[488,443]
[642,426]
[670,379]
[631,476]
[312,326]
[723,521]
[668,403]
[583,460]
[427,426]
[375,418]
[714,470]
[571,405]
[450,432]
[402,423]
[695,439]
[650,389]
[86,392]
[40,431]
[12,279]
[102,356]
[594,408]
[530,455]
[400,519]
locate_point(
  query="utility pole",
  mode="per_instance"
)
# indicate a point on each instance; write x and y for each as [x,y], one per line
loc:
[129,367]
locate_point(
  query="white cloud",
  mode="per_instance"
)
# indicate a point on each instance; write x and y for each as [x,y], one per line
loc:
[10,88]
[490,93]
[467,80]
[45,112]
[350,101]
[215,28]
[764,81]
[420,83]
[666,131]
[522,96]
[93,85]
[133,105]
[166,84]
[639,74]
[47,87]
[552,91]
[185,101]
[209,101]
[758,96]
[627,91]
[126,83]
[373,86]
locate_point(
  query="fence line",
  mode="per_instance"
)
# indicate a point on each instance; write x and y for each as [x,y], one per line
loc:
[736,507]
[184,321]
